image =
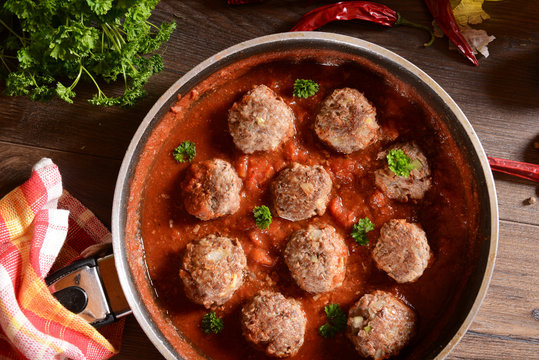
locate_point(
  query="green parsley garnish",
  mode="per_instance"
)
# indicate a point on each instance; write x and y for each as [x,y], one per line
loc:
[336,321]
[367,329]
[305,88]
[185,152]
[47,46]
[212,324]
[360,230]
[262,216]
[399,163]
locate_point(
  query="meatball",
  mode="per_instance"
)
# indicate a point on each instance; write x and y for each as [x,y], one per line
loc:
[274,323]
[347,121]
[211,189]
[316,258]
[380,325]
[301,191]
[404,188]
[402,250]
[261,121]
[212,269]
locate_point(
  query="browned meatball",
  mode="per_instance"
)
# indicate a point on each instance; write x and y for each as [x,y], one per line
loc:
[212,269]
[316,258]
[402,250]
[403,188]
[260,121]
[301,191]
[274,323]
[211,189]
[347,121]
[380,325]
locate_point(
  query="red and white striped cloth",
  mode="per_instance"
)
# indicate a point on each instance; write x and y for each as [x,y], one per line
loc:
[35,219]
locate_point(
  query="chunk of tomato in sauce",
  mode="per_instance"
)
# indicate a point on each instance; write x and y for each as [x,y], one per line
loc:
[294,152]
[344,169]
[342,215]
[381,206]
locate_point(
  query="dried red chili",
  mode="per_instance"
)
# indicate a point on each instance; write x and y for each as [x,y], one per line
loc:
[355,10]
[521,169]
[442,12]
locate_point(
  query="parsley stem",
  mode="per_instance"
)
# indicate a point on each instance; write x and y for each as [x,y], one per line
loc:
[4,62]
[149,23]
[111,37]
[125,76]
[13,32]
[102,40]
[118,35]
[100,93]
[76,81]
[34,80]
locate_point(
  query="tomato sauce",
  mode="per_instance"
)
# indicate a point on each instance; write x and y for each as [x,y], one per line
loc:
[448,213]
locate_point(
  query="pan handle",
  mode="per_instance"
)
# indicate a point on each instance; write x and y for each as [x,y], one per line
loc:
[90,288]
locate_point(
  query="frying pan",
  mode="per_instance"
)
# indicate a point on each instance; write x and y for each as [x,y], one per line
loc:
[127,244]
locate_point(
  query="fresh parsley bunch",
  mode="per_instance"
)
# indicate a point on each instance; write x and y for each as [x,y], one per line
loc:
[48,46]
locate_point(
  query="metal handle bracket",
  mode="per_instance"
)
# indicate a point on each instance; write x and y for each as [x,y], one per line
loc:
[91,289]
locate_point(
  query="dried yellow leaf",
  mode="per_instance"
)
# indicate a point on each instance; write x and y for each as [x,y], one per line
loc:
[470,12]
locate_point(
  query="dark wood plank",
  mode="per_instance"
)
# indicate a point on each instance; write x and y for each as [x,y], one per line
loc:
[513,293]
[135,343]
[79,128]
[512,199]
[485,347]
[89,178]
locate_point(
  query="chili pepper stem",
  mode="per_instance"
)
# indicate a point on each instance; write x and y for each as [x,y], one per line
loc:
[402,21]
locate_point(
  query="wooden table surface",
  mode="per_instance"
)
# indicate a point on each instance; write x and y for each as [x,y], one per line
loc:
[500,98]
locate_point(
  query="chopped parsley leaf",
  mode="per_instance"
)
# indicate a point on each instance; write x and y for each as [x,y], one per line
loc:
[399,163]
[336,321]
[212,324]
[185,152]
[305,88]
[367,329]
[360,230]
[262,216]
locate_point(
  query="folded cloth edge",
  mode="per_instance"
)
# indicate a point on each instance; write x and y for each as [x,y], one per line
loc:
[32,232]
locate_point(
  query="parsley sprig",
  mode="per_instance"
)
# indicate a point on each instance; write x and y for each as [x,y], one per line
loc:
[360,230]
[262,215]
[185,152]
[336,321]
[305,88]
[211,323]
[49,42]
[399,163]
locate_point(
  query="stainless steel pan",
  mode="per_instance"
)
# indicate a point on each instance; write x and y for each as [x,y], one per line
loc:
[128,250]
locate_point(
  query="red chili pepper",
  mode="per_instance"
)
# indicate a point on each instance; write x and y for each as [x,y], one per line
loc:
[442,12]
[521,169]
[355,10]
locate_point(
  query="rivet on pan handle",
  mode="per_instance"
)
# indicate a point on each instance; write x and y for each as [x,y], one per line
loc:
[91,289]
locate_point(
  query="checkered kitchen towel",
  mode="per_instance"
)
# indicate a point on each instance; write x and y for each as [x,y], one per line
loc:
[32,231]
